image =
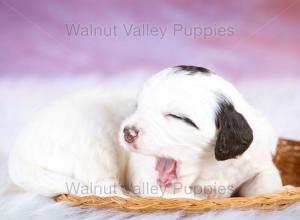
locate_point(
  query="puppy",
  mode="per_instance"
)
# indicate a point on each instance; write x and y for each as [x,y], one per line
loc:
[71,146]
[191,135]
[199,138]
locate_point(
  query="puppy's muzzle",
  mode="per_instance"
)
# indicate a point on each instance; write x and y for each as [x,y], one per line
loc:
[130,134]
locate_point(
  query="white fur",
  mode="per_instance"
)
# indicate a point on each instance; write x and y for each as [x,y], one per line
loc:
[73,142]
[173,91]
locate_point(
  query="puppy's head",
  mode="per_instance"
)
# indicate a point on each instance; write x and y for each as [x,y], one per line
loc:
[185,113]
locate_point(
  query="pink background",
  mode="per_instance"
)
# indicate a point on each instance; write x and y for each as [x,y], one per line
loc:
[34,40]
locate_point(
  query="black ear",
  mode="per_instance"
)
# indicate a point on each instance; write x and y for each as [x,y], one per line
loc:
[235,134]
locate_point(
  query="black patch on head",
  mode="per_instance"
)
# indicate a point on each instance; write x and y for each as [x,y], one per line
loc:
[235,135]
[194,69]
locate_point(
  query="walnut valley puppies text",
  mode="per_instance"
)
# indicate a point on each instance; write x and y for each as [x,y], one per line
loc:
[148,30]
[146,188]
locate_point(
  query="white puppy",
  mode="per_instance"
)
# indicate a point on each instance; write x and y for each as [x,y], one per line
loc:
[71,146]
[207,140]
[192,135]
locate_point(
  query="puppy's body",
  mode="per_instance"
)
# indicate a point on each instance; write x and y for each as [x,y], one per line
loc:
[73,142]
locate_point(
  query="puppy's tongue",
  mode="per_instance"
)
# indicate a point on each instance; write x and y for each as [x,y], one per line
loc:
[166,168]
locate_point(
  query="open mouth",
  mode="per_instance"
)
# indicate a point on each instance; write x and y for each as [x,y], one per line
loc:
[166,168]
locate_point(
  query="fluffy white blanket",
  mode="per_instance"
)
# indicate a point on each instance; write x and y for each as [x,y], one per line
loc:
[20,98]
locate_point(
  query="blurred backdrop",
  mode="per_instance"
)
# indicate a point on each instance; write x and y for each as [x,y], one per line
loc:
[264,37]
[48,48]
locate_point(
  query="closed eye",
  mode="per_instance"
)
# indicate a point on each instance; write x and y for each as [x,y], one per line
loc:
[184,119]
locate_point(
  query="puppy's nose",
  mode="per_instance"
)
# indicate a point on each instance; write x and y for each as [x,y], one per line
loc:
[130,134]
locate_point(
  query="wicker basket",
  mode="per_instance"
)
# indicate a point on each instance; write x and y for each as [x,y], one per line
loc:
[287,160]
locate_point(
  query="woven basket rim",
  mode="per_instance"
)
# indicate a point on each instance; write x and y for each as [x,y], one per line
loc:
[267,202]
